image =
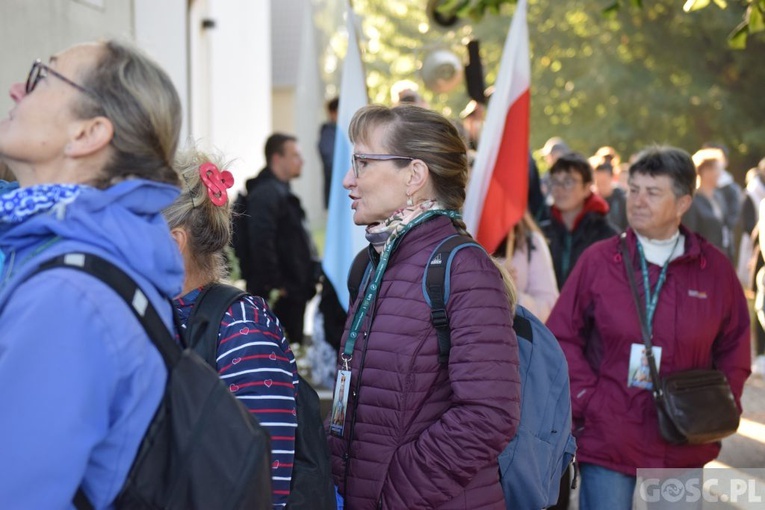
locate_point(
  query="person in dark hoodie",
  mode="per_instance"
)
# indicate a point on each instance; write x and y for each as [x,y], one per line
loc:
[577,216]
[283,260]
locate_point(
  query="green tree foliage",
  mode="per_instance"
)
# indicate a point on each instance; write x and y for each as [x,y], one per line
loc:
[642,76]
[626,79]
[753,19]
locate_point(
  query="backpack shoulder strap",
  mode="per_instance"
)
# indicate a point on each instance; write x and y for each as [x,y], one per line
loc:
[435,287]
[359,272]
[522,327]
[121,283]
[204,322]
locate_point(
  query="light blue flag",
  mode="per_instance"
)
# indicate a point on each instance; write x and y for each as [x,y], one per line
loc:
[344,239]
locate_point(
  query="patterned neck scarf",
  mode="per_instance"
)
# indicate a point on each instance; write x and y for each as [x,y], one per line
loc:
[387,231]
[22,203]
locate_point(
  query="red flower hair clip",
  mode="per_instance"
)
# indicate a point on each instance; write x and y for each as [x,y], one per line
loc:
[216,182]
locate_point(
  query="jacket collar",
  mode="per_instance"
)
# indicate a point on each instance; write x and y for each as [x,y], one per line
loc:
[592,204]
[692,248]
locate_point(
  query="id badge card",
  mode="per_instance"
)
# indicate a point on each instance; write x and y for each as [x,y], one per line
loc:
[340,402]
[639,375]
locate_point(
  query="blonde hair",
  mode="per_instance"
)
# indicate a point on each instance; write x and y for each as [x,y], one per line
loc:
[207,225]
[510,289]
[139,99]
[524,231]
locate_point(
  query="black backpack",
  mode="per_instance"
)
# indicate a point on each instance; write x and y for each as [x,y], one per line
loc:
[311,486]
[202,449]
[240,239]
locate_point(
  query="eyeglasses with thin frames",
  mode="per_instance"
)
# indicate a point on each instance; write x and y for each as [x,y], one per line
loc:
[40,71]
[567,183]
[357,159]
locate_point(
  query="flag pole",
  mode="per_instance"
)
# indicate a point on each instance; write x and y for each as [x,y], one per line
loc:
[344,239]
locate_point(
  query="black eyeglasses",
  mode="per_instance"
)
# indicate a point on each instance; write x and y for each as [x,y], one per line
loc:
[40,71]
[357,160]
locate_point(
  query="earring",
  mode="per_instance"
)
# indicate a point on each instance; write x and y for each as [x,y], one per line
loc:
[409,201]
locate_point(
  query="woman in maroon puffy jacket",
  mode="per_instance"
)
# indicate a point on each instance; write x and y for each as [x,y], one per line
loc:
[419,433]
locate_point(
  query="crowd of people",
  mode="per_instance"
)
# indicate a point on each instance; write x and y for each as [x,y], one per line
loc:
[92,144]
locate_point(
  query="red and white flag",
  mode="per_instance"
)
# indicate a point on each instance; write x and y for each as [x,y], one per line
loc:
[498,188]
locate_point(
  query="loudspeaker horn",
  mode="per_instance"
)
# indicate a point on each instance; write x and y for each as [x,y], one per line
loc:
[441,70]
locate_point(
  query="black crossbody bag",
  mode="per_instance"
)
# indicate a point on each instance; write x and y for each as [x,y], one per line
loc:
[694,406]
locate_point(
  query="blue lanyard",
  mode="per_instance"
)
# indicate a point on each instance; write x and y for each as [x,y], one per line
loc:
[374,286]
[652,299]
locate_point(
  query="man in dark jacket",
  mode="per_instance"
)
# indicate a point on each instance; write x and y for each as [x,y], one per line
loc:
[283,259]
[699,319]
[577,217]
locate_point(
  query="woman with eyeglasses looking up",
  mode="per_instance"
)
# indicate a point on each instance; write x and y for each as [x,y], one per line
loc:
[410,430]
[90,138]
[577,216]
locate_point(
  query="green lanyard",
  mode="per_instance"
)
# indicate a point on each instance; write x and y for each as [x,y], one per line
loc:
[652,299]
[374,286]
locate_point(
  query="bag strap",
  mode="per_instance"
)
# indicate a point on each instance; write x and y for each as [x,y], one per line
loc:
[204,322]
[359,273]
[657,393]
[523,328]
[436,288]
[128,290]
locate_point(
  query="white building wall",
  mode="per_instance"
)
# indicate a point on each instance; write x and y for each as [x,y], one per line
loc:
[161,29]
[231,81]
[308,114]
[223,73]
[39,28]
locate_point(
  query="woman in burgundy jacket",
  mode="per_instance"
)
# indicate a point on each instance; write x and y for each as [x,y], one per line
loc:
[699,318]
[415,432]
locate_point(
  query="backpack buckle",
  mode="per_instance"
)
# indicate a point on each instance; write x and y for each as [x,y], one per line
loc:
[439,318]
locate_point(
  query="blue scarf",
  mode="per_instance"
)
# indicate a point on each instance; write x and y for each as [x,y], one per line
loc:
[19,204]
[22,203]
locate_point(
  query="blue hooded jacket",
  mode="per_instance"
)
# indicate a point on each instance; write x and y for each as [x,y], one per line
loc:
[79,378]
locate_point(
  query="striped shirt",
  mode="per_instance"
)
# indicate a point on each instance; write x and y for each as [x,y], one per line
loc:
[255,361]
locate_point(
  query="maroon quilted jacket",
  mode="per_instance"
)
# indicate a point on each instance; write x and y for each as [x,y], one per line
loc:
[419,434]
